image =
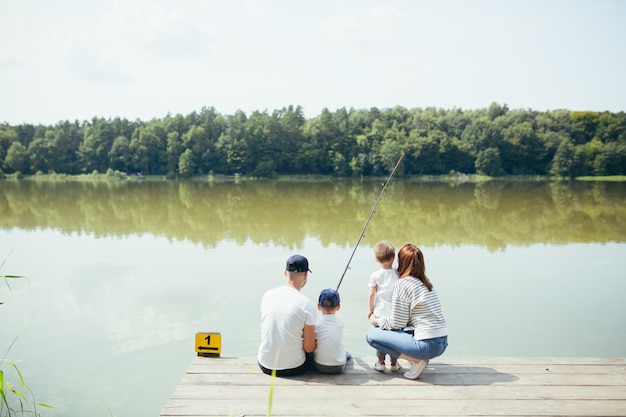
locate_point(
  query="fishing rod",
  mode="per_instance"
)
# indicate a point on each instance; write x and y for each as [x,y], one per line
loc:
[369,218]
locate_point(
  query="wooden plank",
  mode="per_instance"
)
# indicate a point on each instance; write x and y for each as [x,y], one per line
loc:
[428,377]
[448,387]
[203,366]
[256,392]
[395,407]
[443,368]
[206,361]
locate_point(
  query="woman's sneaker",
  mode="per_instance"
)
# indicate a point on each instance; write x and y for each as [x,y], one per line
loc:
[416,370]
[379,366]
[395,367]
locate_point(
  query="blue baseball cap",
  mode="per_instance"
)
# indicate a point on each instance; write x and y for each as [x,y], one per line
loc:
[329,298]
[297,263]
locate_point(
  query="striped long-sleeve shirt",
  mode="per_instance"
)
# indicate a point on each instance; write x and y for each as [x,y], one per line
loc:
[413,306]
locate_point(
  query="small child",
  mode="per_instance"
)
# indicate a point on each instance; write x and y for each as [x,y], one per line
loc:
[381,285]
[330,354]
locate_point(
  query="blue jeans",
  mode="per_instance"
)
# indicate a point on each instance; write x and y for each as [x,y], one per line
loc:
[397,342]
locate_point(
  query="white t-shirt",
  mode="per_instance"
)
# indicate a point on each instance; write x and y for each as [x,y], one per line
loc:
[329,334]
[384,279]
[284,312]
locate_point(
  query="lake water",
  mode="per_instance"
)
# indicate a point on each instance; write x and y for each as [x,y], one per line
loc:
[121,276]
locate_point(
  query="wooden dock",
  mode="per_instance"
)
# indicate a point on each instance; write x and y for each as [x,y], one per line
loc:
[448,387]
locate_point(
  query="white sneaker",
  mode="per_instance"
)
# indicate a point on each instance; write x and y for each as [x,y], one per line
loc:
[379,366]
[395,367]
[416,370]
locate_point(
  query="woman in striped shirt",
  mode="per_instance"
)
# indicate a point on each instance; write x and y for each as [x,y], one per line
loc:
[416,330]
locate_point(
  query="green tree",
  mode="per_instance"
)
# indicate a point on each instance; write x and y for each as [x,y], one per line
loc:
[214,125]
[93,151]
[290,136]
[615,157]
[179,124]
[376,138]
[425,154]
[187,164]
[26,133]
[593,149]
[394,143]
[340,165]
[8,135]
[423,122]
[39,155]
[582,165]
[17,158]
[231,145]
[390,152]
[609,128]
[265,168]
[563,161]
[480,135]
[313,154]
[584,125]
[526,153]
[197,140]
[357,164]
[257,142]
[496,110]
[453,157]
[399,118]
[453,122]
[66,138]
[550,142]
[148,148]
[322,135]
[119,155]
[571,160]
[343,142]
[175,149]
[599,165]
[89,151]
[488,162]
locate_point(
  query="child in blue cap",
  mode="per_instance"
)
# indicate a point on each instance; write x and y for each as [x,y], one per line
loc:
[330,354]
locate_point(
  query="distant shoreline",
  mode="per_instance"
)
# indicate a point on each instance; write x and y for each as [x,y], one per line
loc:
[456,178]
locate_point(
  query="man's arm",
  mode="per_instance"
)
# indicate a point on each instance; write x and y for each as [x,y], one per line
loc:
[309,337]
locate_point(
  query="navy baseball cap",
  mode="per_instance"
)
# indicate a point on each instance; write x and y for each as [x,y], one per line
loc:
[329,298]
[297,263]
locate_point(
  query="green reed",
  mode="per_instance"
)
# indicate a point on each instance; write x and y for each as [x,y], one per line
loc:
[18,398]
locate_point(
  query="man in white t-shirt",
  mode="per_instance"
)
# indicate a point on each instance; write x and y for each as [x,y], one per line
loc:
[288,324]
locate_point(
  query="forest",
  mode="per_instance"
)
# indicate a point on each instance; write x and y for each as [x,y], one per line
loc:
[493,141]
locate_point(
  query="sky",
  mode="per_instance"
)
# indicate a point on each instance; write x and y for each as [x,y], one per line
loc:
[144,59]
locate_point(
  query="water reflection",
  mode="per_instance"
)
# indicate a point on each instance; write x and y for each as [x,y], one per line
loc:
[121,275]
[493,214]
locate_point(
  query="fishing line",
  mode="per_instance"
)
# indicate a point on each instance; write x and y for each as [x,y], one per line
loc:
[369,218]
